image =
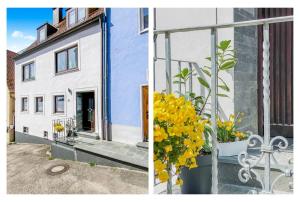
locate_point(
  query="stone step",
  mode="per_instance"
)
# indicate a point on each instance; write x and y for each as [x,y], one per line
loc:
[90,135]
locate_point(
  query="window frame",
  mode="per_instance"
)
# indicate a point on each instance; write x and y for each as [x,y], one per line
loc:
[44,28]
[22,104]
[26,131]
[31,71]
[36,104]
[76,16]
[54,104]
[67,69]
[142,28]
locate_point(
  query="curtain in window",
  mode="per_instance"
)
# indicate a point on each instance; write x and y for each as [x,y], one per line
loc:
[72,58]
[59,103]
[61,61]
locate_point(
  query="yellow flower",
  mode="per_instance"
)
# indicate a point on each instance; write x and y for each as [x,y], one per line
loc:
[163,176]
[179,182]
[168,148]
[159,166]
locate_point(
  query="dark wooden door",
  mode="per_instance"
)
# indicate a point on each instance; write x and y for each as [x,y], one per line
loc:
[281,73]
[145,112]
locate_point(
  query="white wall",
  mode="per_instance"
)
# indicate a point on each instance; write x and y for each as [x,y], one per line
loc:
[193,46]
[47,84]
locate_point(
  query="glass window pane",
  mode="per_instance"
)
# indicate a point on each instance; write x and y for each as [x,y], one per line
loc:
[72,17]
[25,72]
[43,34]
[72,58]
[39,104]
[61,62]
[145,17]
[24,104]
[59,103]
[81,14]
[31,71]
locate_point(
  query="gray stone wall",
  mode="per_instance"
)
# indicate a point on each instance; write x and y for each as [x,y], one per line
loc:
[245,73]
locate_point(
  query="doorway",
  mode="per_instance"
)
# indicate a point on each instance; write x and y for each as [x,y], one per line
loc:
[85,111]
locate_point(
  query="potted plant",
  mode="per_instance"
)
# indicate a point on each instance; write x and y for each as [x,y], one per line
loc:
[231,141]
[178,136]
[198,180]
[58,127]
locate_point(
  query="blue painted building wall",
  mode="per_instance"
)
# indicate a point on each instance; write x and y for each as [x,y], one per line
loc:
[127,65]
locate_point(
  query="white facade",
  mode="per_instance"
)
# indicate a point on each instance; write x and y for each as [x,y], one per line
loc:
[193,47]
[48,84]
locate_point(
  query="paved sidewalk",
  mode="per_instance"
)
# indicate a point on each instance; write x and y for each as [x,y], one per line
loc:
[26,174]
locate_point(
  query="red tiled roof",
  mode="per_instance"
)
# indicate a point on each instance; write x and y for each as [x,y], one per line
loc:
[62,28]
[10,70]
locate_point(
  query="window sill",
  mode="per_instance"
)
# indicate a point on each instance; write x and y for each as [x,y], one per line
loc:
[67,71]
[144,31]
[28,80]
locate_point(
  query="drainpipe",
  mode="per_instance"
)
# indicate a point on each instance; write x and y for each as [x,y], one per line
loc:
[105,82]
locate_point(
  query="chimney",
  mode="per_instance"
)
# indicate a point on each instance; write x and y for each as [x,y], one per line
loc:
[57,16]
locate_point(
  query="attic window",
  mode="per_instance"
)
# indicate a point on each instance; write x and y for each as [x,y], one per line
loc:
[75,16]
[42,34]
[143,15]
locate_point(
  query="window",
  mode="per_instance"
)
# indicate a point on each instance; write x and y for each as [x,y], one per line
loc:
[67,60]
[81,14]
[24,104]
[59,103]
[42,34]
[71,17]
[39,104]
[28,72]
[25,130]
[46,134]
[143,14]
[76,15]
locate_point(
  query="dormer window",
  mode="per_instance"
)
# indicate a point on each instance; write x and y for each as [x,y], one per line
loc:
[143,15]
[42,34]
[44,31]
[75,15]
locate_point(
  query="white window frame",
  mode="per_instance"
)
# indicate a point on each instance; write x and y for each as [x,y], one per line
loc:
[76,16]
[142,29]
[40,30]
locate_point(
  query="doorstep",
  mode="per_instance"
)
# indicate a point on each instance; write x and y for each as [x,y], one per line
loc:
[121,152]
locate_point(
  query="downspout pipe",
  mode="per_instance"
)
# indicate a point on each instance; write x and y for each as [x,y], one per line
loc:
[106,131]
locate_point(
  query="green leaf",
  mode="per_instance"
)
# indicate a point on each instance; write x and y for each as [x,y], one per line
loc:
[208,58]
[207,115]
[203,82]
[192,95]
[224,44]
[178,82]
[206,72]
[227,65]
[222,95]
[185,72]
[224,87]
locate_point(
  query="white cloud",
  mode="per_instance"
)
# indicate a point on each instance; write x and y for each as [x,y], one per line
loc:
[21,35]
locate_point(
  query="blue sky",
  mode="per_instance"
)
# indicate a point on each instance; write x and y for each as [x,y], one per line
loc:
[22,24]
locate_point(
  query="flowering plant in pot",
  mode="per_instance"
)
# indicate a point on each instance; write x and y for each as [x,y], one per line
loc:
[231,140]
[178,136]
[198,180]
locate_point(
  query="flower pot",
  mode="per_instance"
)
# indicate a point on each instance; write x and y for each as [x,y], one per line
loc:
[197,180]
[232,148]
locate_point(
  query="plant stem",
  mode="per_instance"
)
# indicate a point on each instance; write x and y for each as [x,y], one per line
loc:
[204,104]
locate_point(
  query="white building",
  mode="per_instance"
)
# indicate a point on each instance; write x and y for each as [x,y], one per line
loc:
[59,75]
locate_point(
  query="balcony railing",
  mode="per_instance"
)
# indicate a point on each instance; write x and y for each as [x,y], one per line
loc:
[64,130]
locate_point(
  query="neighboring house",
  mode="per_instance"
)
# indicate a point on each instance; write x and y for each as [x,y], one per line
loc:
[245,81]
[87,69]
[10,81]
[127,46]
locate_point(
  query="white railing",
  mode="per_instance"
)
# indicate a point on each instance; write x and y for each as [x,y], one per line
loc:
[267,143]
